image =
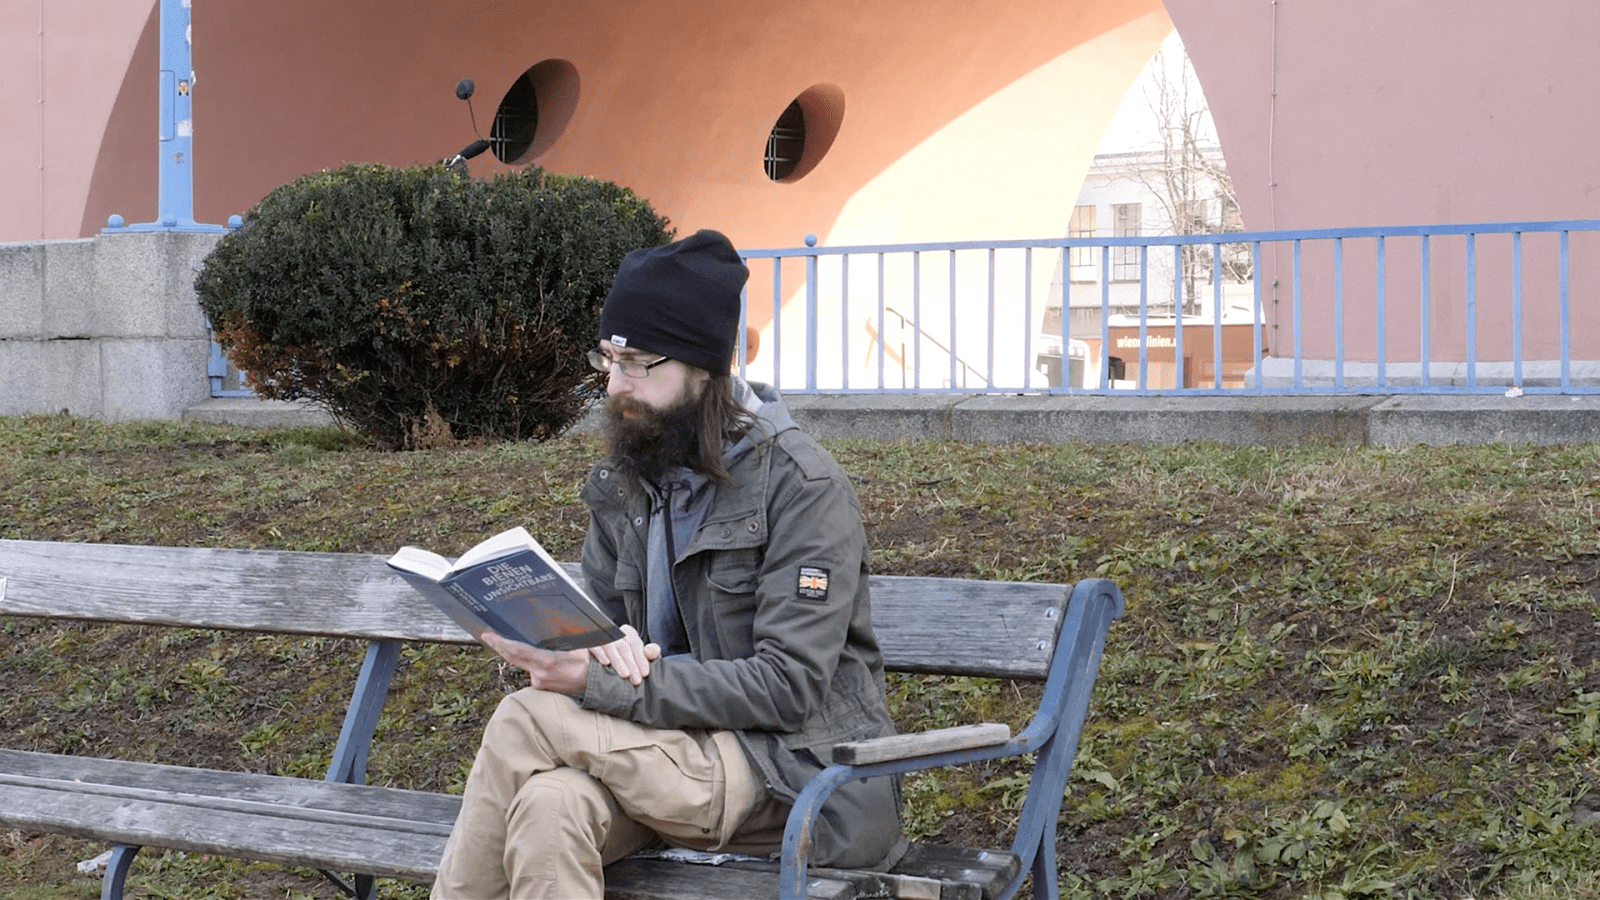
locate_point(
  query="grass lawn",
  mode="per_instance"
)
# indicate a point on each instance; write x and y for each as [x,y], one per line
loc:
[1343,672]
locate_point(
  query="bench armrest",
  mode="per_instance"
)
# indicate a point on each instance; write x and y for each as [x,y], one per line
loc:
[926,743]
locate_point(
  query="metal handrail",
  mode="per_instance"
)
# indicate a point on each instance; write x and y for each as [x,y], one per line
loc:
[1329,326]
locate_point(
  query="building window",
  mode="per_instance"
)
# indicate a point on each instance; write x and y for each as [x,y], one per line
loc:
[534,111]
[1082,259]
[515,122]
[1125,260]
[785,143]
[804,133]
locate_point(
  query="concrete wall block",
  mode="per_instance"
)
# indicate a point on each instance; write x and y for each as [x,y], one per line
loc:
[44,377]
[258,413]
[1241,421]
[1486,419]
[21,290]
[152,379]
[71,308]
[130,284]
[144,281]
[889,417]
[187,251]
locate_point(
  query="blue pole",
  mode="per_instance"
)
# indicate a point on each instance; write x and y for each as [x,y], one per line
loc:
[175,127]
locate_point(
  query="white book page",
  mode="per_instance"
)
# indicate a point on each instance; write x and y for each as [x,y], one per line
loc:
[508,541]
[423,562]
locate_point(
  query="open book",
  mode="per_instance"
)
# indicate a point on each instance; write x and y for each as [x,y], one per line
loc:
[508,584]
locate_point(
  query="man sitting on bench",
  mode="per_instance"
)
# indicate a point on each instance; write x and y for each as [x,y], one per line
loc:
[730,546]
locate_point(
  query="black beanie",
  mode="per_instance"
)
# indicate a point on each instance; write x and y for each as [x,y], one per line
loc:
[680,300]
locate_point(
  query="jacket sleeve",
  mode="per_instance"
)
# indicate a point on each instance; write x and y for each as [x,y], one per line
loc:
[791,606]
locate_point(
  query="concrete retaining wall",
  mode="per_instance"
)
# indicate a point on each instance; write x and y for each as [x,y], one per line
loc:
[1268,421]
[105,327]
[108,327]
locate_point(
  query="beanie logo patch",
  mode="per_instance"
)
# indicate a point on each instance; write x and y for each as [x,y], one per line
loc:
[619,340]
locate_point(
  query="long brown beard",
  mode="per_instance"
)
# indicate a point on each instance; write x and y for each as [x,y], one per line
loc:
[653,441]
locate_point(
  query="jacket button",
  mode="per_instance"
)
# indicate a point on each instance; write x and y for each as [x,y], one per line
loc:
[727,532]
[604,474]
[753,526]
[638,520]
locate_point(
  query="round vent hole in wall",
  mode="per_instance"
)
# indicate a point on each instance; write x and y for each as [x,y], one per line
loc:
[804,133]
[535,111]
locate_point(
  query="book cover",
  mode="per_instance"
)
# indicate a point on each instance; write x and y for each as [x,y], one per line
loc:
[509,584]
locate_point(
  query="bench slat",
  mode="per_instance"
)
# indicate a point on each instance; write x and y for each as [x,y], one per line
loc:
[382,846]
[928,870]
[639,878]
[427,811]
[357,596]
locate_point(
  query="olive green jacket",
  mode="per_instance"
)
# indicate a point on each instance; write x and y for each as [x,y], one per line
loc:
[773,592]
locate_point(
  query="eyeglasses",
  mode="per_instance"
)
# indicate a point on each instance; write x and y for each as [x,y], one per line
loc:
[633,368]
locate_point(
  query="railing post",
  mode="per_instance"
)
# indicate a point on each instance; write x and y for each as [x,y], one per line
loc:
[1381,296]
[812,334]
[175,129]
[1516,309]
[1422,307]
[1566,307]
[1180,299]
[1299,355]
[1470,317]
[1338,313]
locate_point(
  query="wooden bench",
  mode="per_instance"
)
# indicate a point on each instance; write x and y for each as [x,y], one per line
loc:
[1046,632]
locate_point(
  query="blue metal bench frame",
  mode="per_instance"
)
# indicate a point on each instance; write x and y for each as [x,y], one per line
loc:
[1052,735]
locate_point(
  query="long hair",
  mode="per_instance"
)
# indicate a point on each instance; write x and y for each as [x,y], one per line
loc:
[722,418]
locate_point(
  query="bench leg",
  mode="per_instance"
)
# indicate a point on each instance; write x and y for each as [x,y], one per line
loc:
[117,872]
[359,887]
[1045,886]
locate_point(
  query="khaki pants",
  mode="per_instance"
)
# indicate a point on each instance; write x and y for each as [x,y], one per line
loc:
[557,791]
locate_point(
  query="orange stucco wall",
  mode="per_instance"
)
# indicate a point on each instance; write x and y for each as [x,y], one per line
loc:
[62,66]
[674,102]
[961,120]
[1378,112]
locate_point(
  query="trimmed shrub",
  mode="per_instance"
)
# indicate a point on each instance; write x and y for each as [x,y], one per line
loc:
[421,307]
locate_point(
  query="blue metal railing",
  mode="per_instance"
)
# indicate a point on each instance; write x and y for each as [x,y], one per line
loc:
[1481,308]
[1357,309]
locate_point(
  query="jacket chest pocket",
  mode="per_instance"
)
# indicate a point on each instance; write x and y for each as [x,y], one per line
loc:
[734,572]
[629,580]
[733,577]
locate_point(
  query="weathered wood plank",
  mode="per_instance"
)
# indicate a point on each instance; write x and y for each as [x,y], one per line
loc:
[927,871]
[949,626]
[938,625]
[988,870]
[338,594]
[376,849]
[137,780]
[660,879]
[926,743]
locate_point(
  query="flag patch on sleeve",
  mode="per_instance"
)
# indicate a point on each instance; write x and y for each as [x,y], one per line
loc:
[813,584]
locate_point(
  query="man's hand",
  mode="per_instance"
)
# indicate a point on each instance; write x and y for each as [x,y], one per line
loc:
[566,671]
[562,671]
[629,657]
